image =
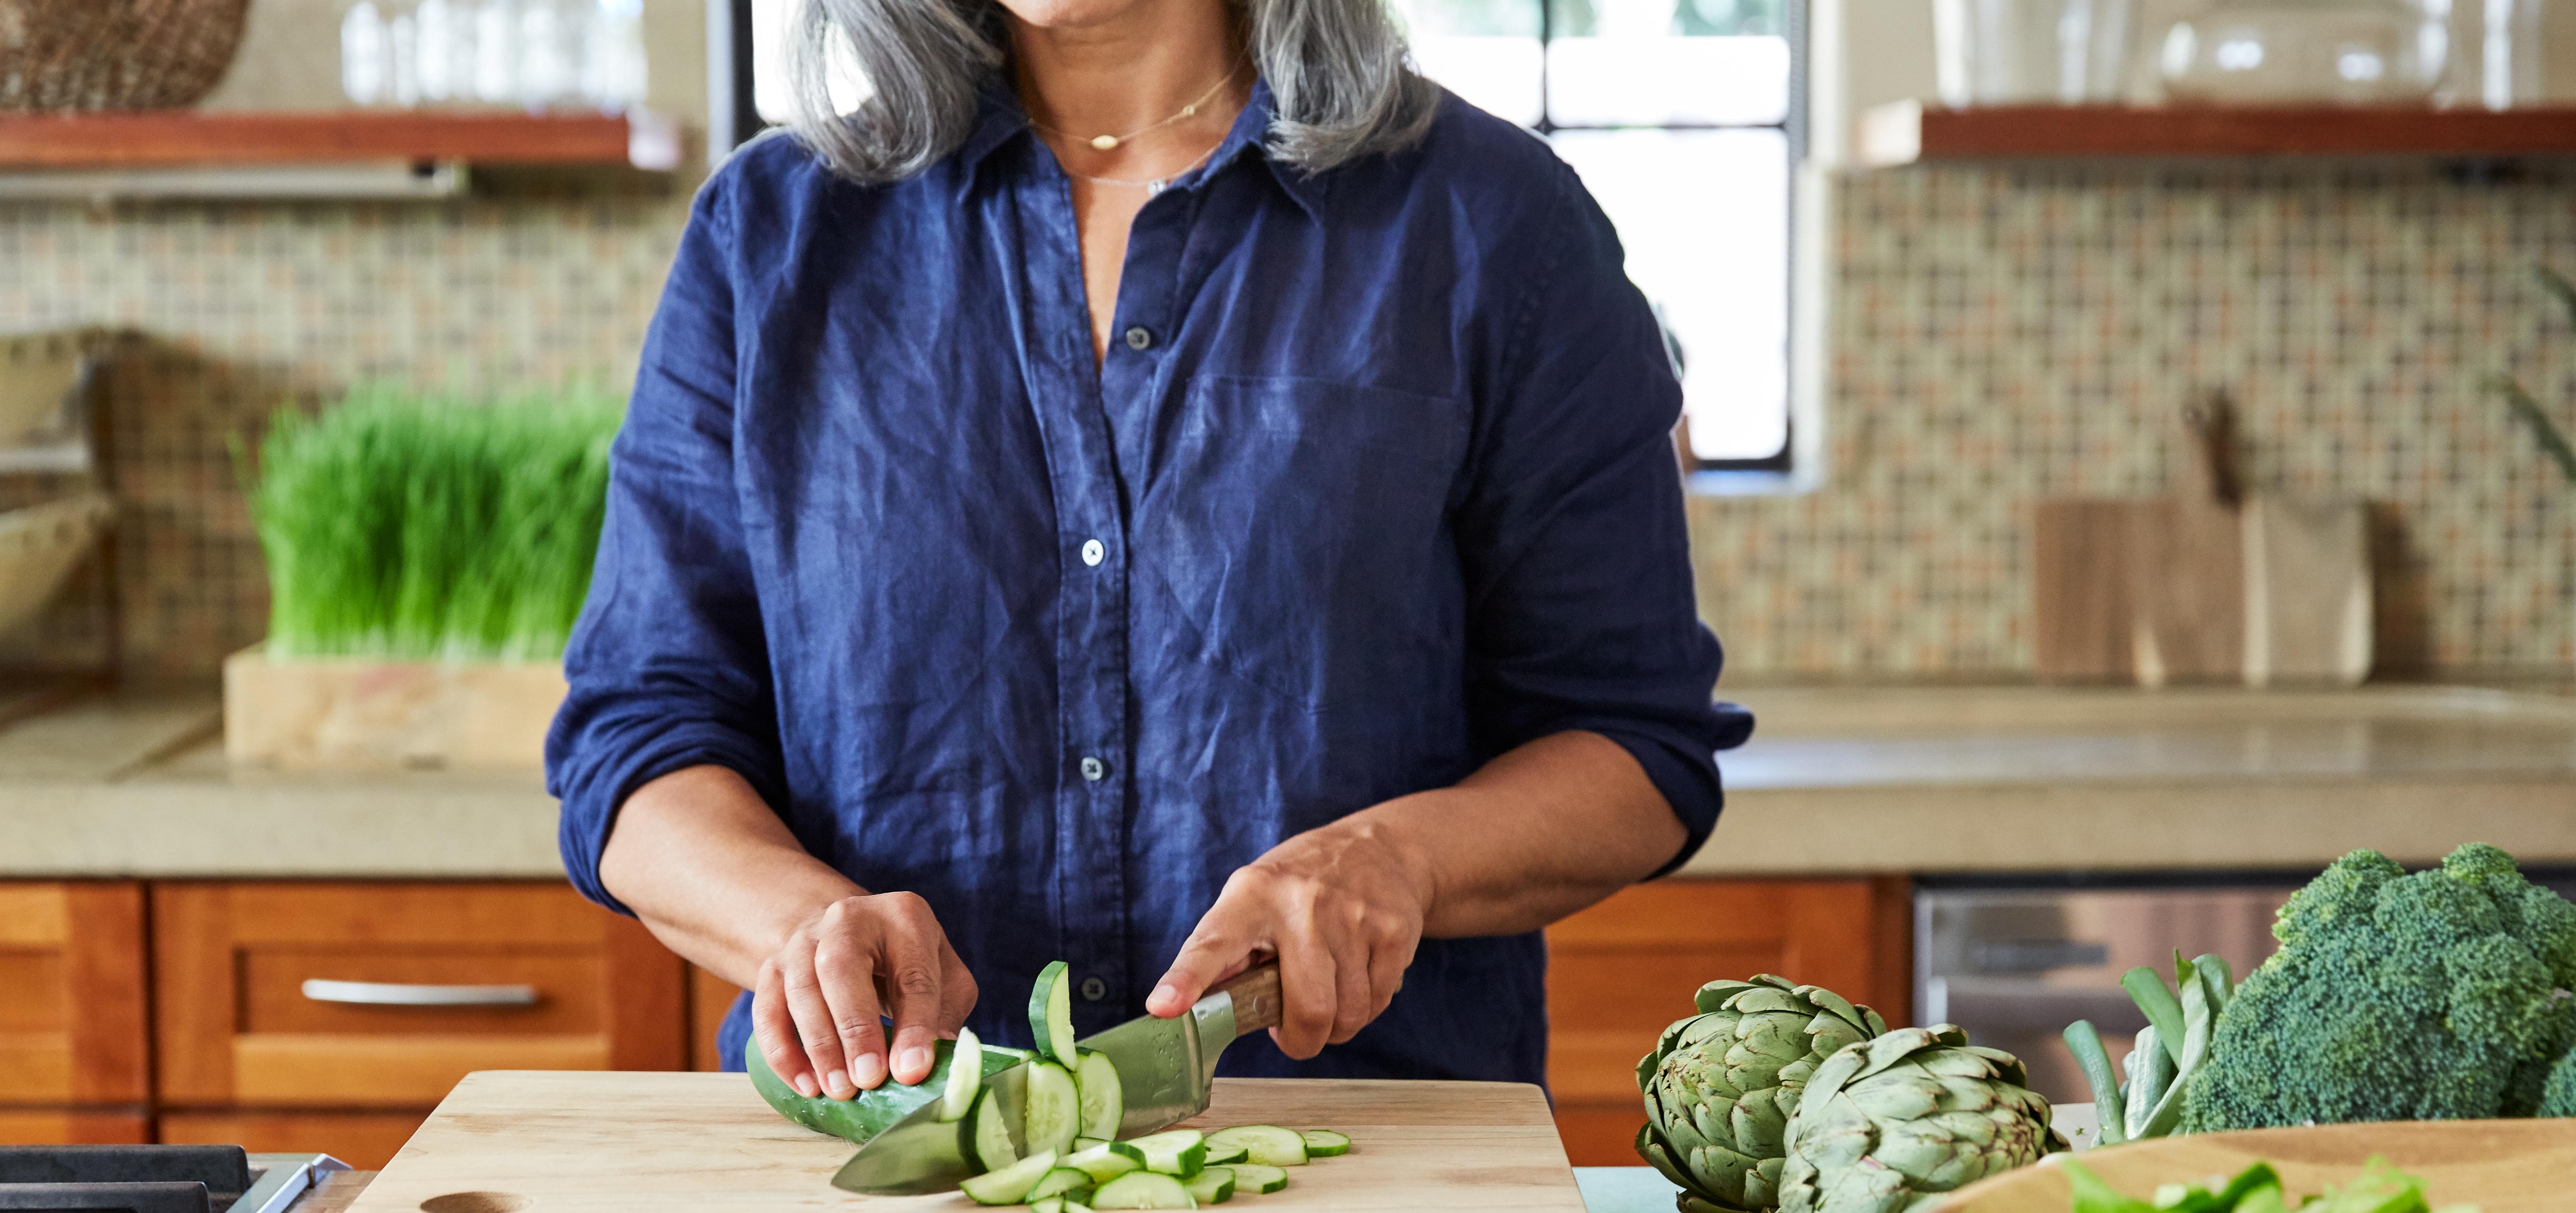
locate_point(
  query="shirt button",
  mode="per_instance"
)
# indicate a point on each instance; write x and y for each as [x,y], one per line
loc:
[1138,337]
[1092,552]
[1094,989]
[1093,769]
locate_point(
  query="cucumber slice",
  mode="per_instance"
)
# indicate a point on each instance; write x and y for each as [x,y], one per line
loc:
[1011,1184]
[1064,1181]
[965,1076]
[1103,1103]
[1053,1112]
[1101,1163]
[1143,1190]
[1218,1156]
[1058,1204]
[1085,1143]
[1325,1143]
[987,1137]
[1213,1186]
[1269,1145]
[1180,1152]
[1051,1013]
[1254,1177]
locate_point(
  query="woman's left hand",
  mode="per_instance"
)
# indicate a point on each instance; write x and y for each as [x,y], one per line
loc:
[1341,906]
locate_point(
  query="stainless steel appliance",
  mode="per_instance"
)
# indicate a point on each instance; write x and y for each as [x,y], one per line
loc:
[2014,961]
[158,1179]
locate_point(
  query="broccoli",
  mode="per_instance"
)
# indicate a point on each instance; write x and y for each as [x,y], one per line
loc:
[2433,996]
[2559,1099]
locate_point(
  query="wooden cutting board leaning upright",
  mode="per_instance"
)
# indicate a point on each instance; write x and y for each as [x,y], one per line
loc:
[2210,583]
[509,1140]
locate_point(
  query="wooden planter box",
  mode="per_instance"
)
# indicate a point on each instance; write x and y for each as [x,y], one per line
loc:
[370,715]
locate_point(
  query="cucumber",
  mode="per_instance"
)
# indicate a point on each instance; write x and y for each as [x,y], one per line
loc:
[1218,1156]
[1213,1186]
[1325,1143]
[1051,1014]
[1143,1190]
[1085,1143]
[1103,1103]
[1058,1204]
[1180,1152]
[1101,1163]
[1064,1181]
[965,1076]
[1053,1114]
[1011,1184]
[987,1136]
[1254,1177]
[1269,1145]
[870,1112]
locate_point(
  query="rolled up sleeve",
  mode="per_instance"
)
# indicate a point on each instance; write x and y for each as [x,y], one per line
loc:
[1581,615]
[668,667]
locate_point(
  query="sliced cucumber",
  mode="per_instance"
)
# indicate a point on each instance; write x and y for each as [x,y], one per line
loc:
[1101,1163]
[1011,1184]
[965,1076]
[1058,1204]
[1213,1186]
[1051,1013]
[1143,1190]
[1102,1101]
[988,1137]
[1269,1145]
[1218,1156]
[1064,1181]
[1085,1143]
[872,1112]
[1180,1152]
[1254,1177]
[1053,1111]
[1012,1056]
[1325,1143]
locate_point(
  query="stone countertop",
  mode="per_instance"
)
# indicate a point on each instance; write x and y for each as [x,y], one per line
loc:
[1837,780]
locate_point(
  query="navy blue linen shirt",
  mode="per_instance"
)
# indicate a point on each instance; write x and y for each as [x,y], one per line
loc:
[1374,484]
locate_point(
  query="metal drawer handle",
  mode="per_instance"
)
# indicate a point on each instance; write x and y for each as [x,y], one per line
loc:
[388,994]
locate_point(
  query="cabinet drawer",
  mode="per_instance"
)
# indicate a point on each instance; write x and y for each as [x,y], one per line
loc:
[382,995]
[71,994]
[364,1140]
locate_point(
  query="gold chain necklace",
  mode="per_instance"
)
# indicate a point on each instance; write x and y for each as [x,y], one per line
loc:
[1111,142]
[1155,186]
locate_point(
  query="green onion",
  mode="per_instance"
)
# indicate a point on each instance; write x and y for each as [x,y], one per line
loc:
[425,528]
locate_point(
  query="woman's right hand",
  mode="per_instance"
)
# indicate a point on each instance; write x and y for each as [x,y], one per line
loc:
[816,1005]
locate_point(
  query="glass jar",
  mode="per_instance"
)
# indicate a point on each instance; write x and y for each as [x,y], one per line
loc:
[2347,52]
[2007,52]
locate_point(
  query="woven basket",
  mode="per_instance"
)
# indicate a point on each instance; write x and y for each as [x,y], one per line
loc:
[114,54]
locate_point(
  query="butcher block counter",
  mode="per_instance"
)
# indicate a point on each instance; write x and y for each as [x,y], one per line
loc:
[506,1140]
[1837,780]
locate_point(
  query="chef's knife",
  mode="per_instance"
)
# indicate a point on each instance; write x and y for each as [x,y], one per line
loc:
[1166,1068]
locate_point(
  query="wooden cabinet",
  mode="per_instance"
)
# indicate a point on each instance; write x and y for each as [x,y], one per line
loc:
[710,997]
[73,1041]
[365,1140]
[277,995]
[1618,973]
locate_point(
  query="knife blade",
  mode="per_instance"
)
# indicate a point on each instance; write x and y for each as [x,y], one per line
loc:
[1166,1069]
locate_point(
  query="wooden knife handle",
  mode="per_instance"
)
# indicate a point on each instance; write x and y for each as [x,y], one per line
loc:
[1256,997]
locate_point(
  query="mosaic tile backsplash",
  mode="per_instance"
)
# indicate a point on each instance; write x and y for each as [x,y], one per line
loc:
[1996,335]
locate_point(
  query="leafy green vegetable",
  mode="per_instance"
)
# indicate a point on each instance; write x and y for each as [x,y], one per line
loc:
[2381,1188]
[423,528]
[2174,1043]
[2436,995]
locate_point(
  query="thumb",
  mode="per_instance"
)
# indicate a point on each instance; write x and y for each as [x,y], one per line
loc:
[1217,950]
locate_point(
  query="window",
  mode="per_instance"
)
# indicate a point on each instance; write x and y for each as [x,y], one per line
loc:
[1681,117]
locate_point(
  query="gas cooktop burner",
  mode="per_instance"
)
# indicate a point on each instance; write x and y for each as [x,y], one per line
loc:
[156,1179]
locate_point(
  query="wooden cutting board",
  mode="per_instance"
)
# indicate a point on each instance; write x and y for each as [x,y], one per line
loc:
[508,1140]
[2501,1166]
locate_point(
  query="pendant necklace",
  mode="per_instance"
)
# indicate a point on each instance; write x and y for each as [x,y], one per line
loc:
[1110,142]
[1156,185]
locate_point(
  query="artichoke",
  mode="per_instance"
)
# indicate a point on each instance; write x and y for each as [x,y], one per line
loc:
[1721,1086]
[1891,1124]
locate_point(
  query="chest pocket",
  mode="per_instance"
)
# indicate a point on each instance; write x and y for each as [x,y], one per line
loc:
[1298,528]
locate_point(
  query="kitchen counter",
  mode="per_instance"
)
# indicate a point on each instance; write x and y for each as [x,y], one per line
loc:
[1923,779]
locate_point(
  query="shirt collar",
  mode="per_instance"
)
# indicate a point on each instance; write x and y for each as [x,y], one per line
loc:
[998,118]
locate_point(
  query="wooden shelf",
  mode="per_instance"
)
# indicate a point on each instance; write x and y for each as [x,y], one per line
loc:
[1908,132]
[164,139]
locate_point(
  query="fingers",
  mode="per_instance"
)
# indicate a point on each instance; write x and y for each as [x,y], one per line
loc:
[913,983]
[776,1031]
[816,1029]
[1220,948]
[845,964]
[1309,982]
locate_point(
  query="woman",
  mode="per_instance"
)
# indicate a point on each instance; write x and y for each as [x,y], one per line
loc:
[1160,485]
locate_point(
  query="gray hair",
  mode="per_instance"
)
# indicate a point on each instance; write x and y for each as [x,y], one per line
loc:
[1336,69]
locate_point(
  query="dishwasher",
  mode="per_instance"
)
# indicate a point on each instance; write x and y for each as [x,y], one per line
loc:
[2014,960]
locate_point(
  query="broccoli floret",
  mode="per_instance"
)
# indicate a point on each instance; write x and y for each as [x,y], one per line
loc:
[2433,996]
[2559,1099]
